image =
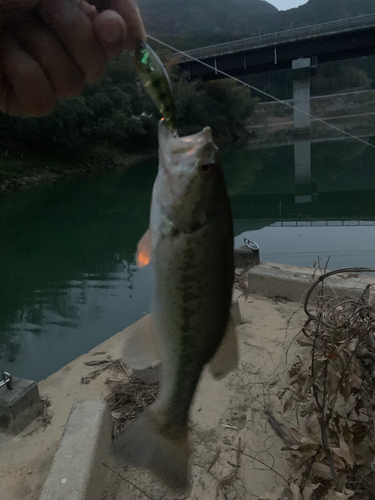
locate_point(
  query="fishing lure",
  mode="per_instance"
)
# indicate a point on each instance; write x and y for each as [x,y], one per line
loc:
[156,82]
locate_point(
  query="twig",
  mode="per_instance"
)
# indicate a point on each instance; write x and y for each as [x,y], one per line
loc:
[321,278]
[238,456]
[214,460]
[127,481]
[263,463]
[227,426]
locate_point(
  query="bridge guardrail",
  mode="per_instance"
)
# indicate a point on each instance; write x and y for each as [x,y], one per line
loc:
[278,37]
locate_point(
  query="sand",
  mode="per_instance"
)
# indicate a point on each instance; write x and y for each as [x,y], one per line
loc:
[230,433]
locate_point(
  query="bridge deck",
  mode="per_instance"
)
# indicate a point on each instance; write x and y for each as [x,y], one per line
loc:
[282,37]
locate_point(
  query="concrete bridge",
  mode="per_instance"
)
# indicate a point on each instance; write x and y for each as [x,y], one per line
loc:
[354,37]
[301,49]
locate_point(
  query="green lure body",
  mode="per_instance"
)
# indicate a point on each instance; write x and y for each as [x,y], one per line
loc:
[156,82]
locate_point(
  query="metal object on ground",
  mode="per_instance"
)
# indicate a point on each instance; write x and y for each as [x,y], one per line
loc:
[251,244]
[7,381]
[247,256]
[20,405]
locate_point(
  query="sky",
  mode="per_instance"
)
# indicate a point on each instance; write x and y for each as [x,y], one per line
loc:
[286,4]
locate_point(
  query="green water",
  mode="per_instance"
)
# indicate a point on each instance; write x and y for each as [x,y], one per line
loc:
[68,279]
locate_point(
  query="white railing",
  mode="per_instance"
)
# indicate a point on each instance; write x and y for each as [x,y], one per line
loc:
[280,37]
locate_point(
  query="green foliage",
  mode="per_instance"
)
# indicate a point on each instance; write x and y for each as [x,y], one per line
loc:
[114,115]
[198,20]
[338,76]
[224,105]
[204,17]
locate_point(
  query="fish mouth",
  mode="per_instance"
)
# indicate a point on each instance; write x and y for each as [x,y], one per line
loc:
[180,157]
[172,146]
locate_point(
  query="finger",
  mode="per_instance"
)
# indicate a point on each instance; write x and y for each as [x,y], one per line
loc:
[65,77]
[28,91]
[129,11]
[88,9]
[112,33]
[75,29]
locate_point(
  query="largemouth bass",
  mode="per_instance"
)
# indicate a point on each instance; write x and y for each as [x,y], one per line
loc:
[190,243]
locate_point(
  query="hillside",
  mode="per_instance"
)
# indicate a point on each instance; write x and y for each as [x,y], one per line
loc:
[203,17]
[228,19]
[320,11]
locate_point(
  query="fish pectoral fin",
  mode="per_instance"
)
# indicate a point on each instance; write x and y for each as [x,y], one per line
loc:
[225,359]
[143,255]
[141,349]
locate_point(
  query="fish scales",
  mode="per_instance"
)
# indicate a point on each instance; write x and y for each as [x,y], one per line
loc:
[194,276]
[190,243]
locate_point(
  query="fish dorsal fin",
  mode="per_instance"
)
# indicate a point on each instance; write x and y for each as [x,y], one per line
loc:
[141,349]
[225,359]
[143,255]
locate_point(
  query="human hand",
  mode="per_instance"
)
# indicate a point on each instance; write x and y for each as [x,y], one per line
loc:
[49,49]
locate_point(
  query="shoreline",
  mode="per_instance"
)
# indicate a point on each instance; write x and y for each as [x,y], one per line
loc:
[42,176]
[12,183]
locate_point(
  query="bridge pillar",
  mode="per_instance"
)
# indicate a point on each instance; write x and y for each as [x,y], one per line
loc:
[301,92]
[302,172]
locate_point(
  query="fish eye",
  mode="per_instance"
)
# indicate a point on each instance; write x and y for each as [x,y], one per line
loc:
[207,167]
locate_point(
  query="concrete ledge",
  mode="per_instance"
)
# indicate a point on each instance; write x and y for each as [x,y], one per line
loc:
[77,471]
[292,282]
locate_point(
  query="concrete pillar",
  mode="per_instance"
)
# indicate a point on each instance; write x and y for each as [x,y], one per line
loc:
[302,171]
[301,92]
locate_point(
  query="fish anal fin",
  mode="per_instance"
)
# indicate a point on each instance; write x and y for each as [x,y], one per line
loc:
[225,359]
[143,255]
[142,349]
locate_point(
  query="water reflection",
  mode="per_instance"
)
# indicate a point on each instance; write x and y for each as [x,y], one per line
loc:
[330,180]
[68,278]
[308,198]
[67,270]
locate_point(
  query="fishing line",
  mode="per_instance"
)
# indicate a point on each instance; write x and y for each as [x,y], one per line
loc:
[227,75]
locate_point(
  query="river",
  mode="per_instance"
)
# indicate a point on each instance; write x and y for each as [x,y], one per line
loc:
[68,278]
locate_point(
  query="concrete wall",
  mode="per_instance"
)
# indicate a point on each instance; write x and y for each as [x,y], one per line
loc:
[322,106]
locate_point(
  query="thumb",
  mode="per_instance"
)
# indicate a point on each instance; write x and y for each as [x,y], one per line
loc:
[129,12]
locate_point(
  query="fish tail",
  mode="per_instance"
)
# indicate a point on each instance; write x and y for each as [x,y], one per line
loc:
[148,443]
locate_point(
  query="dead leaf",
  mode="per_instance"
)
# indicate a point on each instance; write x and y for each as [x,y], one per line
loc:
[356,382]
[336,495]
[298,460]
[350,403]
[296,492]
[321,470]
[338,463]
[333,382]
[273,495]
[311,440]
[296,433]
[359,431]
[288,404]
[344,452]
[309,490]
[304,342]
[97,362]
[313,425]
[334,355]
[346,432]
[352,345]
